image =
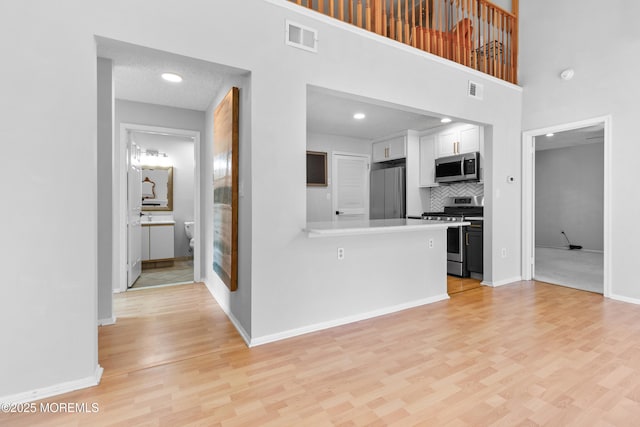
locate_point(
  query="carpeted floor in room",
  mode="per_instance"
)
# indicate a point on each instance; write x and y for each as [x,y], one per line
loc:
[578,269]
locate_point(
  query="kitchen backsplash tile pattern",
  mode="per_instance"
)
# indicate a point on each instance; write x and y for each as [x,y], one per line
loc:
[438,194]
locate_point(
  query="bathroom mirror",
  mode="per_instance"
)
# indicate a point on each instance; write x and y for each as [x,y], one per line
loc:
[157,188]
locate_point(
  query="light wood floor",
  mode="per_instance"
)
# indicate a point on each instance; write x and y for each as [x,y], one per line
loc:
[527,354]
[461,284]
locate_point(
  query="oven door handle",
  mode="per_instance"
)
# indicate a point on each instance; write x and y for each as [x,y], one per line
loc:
[466,238]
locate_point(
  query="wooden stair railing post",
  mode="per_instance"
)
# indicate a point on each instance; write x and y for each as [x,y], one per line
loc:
[427,28]
[377,20]
[385,29]
[515,9]
[321,6]
[367,15]
[414,42]
[392,22]
[420,32]
[332,8]
[407,40]
[359,14]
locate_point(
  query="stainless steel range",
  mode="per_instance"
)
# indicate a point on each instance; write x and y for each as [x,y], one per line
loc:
[464,244]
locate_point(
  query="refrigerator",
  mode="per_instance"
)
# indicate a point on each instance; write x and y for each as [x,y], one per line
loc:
[387,193]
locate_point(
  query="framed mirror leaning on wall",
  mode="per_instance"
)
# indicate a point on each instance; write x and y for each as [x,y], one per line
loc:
[157,188]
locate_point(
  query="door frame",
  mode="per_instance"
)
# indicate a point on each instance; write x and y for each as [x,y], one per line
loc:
[528,194]
[334,187]
[119,195]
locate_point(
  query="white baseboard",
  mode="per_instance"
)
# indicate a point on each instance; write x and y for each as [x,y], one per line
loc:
[344,320]
[625,299]
[224,305]
[54,390]
[502,282]
[107,321]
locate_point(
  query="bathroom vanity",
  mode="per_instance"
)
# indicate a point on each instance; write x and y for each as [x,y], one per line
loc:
[157,240]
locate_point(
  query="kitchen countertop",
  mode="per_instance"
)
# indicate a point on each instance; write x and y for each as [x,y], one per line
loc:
[375,226]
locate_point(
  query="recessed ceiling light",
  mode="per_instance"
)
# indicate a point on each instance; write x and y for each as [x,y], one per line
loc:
[359,116]
[567,74]
[550,134]
[171,77]
[445,120]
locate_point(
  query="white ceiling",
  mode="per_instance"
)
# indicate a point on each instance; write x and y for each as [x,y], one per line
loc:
[332,113]
[571,138]
[137,71]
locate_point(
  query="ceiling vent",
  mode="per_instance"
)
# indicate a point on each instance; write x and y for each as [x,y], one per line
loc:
[301,37]
[475,90]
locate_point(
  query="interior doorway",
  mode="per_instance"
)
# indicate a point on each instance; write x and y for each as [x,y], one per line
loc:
[141,142]
[566,213]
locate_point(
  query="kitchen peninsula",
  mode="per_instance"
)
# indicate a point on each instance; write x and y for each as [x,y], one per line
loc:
[370,268]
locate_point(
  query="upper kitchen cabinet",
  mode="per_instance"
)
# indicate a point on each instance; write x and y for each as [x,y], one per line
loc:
[458,140]
[390,149]
[427,161]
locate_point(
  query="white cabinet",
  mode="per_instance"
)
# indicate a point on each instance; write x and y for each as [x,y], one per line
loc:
[145,243]
[458,140]
[447,143]
[469,139]
[391,149]
[427,161]
[157,241]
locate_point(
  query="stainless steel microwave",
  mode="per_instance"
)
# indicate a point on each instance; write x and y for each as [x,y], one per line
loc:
[461,167]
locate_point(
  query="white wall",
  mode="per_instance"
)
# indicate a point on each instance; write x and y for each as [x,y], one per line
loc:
[180,152]
[141,113]
[604,84]
[570,196]
[48,253]
[52,300]
[319,203]
[105,204]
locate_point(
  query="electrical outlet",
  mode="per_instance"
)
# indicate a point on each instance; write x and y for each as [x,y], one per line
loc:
[430,243]
[504,252]
[340,254]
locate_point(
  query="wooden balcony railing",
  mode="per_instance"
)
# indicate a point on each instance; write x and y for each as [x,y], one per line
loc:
[475,33]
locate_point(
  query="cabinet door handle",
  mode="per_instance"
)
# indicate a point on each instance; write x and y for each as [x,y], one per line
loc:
[466,238]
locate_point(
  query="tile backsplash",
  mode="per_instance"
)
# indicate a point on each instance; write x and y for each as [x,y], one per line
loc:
[438,194]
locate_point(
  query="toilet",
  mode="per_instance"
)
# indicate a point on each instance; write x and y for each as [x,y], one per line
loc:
[188,229]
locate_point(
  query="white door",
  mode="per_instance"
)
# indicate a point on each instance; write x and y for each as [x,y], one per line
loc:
[134,209]
[350,181]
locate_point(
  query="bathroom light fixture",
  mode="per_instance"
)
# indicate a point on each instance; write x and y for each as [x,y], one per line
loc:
[154,153]
[172,77]
[445,120]
[567,74]
[359,116]
[549,135]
